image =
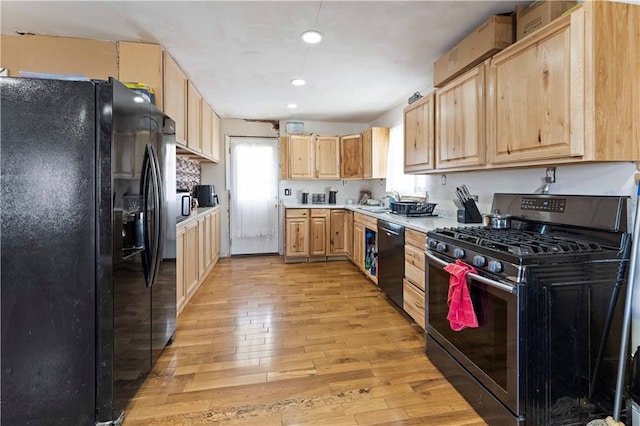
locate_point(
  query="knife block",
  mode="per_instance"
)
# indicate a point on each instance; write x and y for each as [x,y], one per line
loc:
[470,213]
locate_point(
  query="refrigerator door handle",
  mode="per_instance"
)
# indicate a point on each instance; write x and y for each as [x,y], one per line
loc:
[159,232]
[144,185]
[151,198]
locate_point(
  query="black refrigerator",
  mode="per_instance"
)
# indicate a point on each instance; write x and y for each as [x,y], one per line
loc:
[88,241]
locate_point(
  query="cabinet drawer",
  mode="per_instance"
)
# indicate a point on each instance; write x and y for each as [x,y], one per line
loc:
[414,256]
[414,274]
[415,238]
[319,212]
[413,303]
[367,221]
[297,213]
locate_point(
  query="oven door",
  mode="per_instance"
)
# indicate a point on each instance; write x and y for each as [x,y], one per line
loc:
[490,352]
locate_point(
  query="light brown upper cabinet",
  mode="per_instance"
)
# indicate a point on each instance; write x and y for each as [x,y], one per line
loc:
[300,150]
[175,97]
[327,157]
[142,63]
[206,129]
[95,59]
[194,109]
[351,157]
[217,138]
[375,146]
[419,134]
[569,92]
[460,121]
[531,98]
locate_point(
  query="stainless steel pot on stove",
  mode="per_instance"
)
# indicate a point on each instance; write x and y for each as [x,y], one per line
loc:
[496,220]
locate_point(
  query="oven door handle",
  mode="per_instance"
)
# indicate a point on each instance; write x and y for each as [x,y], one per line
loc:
[496,284]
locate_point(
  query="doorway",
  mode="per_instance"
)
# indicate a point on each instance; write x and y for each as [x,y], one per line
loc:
[253,209]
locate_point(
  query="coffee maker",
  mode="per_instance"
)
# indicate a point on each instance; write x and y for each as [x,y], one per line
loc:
[206,195]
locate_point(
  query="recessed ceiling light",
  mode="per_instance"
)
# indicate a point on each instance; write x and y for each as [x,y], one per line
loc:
[292,106]
[298,82]
[311,37]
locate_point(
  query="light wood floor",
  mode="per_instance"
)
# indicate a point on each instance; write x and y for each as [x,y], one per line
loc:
[268,343]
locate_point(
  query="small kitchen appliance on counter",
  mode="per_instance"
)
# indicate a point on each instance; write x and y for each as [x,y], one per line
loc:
[542,291]
[332,195]
[206,195]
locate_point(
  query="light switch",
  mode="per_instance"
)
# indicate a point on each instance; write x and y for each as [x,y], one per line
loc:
[287,191]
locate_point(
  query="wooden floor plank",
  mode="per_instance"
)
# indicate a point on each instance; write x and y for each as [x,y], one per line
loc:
[268,343]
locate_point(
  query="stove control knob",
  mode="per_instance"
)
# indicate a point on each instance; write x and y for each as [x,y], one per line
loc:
[441,247]
[495,266]
[458,253]
[432,244]
[479,260]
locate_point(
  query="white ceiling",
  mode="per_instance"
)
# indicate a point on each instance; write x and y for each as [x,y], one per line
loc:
[242,55]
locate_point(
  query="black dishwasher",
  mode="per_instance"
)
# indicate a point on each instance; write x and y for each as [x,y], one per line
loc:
[391,260]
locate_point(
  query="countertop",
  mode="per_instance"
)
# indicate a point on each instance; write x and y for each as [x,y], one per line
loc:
[421,224]
[196,214]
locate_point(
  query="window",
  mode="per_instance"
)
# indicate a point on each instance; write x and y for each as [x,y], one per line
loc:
[396,179]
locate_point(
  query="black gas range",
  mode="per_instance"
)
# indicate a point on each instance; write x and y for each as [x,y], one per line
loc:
[541,290]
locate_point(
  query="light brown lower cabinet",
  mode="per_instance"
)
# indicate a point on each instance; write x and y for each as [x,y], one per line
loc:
[180,282]
[413,302]
[197,252]
[413,289]
[313,234]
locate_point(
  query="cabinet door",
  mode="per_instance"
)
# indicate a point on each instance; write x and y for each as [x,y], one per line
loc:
[460,121]
[529,99]
[367,154]
[191,275]
[216,138]
[327,157]
[297,236]
[209,240]
[419,135]
[358,245]
[217,232]
[142,62]
[349,227]
[301,151]
[180,269]
[317,234]
[338,230]
[351,157]
[375,147]
[206,126]
[194,109]
[203,237]
[175,97]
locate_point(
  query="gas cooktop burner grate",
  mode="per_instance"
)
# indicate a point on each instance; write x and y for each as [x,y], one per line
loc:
[519,242]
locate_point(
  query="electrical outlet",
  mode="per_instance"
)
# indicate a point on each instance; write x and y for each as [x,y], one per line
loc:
[287,192]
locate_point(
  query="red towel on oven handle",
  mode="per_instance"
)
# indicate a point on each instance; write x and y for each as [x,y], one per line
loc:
[461,314]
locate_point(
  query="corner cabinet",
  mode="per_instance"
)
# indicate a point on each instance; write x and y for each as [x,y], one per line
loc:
[419,134]
[375,147]
[569,92]
[460,122]
[351,157]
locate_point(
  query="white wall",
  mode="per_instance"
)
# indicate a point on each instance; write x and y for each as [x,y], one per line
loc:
[327,129]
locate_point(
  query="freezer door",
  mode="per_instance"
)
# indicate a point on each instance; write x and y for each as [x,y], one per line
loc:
[48,228]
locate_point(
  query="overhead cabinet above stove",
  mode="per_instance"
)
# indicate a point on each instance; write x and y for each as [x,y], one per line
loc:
[567,93]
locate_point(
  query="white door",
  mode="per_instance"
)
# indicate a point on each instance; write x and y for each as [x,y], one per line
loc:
[254,195]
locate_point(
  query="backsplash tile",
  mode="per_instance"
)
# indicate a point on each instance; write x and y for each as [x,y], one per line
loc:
[187,173]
